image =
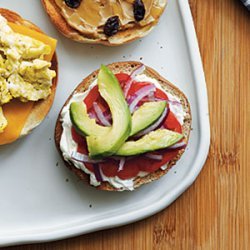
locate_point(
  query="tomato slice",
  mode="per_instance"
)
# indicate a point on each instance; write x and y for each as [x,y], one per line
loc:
[76,137]
[92,97]
[109,168]
[135,86]
[102,104]
[150,165]
[122,78]
[81,147]
[130,170]
[172,123]
[160,94]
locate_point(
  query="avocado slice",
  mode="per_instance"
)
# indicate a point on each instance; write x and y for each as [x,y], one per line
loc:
[83,123]
[155,140]
[107,144]
[143,117]
[146,115]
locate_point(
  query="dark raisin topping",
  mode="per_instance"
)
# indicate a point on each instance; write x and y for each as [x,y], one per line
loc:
[112,26]
[139,10]
[73,3]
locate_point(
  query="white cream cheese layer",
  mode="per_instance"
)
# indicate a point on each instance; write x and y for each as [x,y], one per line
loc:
[68,145]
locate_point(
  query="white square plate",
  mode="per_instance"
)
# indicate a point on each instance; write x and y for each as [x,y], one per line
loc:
[40,200]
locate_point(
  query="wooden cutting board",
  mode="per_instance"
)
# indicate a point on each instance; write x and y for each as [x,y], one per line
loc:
[215,212]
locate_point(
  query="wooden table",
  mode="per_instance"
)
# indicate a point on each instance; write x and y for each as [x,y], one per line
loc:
[214,213]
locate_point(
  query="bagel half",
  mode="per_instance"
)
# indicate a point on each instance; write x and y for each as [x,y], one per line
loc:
[128,67]
[42,107]
[125,35]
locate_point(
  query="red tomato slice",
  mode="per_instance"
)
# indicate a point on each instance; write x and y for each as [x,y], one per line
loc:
[92,96]
[76,137]
[109,168]
[160,94]
[81,147]
[130,170]
[89,166]
[150,165]
[172,123]
[135,86]
[102,104]
[122,78]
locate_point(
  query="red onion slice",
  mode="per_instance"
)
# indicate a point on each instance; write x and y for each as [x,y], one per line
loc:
[174,102]
[83,158]
[97,172]
[154,157]
[151,97]
[145,91]
[179,145]
[92,115]
[121,164]
[136,72]
[100,115]
[160,99]
[108,117]
[153,126]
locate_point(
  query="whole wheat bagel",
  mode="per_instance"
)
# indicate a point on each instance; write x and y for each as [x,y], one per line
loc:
[128,67]
[69,30]
[42,107]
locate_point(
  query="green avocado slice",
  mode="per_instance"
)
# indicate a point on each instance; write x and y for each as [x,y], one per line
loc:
[155,140]
[146,115]
[107,144]
[83,123]
[143,117]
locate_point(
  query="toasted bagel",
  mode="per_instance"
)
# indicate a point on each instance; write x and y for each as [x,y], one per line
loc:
[127,33]
[128,67]
[40,108]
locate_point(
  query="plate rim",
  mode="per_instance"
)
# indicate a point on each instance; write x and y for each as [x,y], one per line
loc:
[199,161]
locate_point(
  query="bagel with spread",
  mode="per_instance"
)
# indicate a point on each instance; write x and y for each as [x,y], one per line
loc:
[123,126]
[103,21]
[28,78]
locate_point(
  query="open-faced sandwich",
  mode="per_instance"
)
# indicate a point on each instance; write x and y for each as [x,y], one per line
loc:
[123,126]
[104,21]
[28,76]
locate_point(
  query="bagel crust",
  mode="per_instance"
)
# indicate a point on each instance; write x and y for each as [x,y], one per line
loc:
[128,67]
[40,108]
[124,36]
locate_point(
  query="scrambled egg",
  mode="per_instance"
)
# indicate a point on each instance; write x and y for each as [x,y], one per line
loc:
[24,74]
[3,121]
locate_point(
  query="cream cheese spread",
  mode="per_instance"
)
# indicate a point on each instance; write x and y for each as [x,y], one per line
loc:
[69,146]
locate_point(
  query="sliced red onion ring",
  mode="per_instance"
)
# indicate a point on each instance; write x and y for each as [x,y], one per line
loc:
[151,97]
[145,91]
[153,126]
[174,102]
[121,164]
[108,117]
[83,158]
[154,157]
[178,145]
[97,172]
[145,88]
[136,72]
[160,99]
[92,115]
[100,115]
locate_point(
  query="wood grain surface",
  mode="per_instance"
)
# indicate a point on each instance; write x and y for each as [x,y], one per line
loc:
[214,213]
